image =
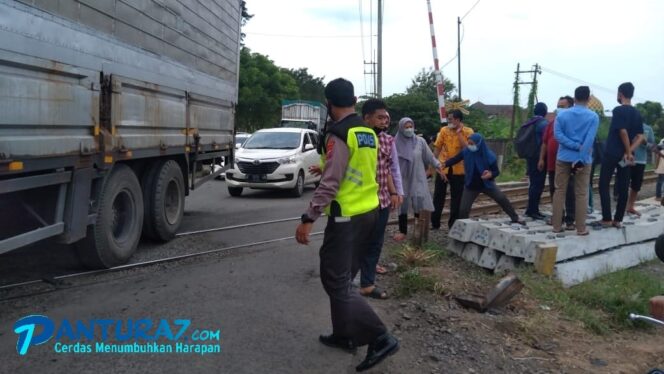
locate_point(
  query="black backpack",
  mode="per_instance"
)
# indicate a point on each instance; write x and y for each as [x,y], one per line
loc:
[526,143]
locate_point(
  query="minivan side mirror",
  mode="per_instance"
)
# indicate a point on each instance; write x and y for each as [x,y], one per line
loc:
[308,147]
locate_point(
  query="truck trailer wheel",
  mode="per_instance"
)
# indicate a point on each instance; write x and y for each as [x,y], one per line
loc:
[113,238]
[164,201]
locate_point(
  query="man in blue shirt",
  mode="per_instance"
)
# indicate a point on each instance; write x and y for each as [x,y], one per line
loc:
[536,176]
[625,135]
[575,130]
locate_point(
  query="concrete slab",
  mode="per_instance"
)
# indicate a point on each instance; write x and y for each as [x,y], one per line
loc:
[482,236]
[646,228]
[584,269]
[573,245]
[499,236]
[489,258]
[472,253]
[505,264]
[518,244]
[463,229]
[455,246]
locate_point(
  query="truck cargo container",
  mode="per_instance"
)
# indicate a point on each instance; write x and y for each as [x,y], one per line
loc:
[108,110]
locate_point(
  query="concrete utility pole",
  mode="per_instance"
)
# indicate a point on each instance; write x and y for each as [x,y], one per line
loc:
[459,53]
[379,78]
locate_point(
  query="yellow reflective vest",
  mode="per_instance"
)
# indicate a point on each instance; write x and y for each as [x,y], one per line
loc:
[358,191]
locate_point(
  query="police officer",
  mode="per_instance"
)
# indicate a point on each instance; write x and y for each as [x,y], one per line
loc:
[348,194]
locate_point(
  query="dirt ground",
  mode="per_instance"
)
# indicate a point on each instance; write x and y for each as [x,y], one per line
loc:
[439,336]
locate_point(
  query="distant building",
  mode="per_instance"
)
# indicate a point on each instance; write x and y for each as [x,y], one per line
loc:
[504,111]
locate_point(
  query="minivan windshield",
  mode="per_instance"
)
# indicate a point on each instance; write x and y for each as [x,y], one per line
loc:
[273,140]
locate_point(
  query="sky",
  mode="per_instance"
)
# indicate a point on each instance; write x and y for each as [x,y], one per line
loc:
[584,42]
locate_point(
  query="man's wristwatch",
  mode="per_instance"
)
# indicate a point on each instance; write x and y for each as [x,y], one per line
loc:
[306,219]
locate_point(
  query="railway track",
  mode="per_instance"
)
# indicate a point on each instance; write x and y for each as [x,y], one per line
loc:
[517,195]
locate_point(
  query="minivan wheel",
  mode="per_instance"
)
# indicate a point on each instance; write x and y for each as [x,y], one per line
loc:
[298,190]
[235,191]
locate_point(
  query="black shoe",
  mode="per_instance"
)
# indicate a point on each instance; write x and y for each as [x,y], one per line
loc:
[536,216]
[338,342]
[384,346]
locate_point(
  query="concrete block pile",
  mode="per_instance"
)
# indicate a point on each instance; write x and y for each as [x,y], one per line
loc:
[498,245]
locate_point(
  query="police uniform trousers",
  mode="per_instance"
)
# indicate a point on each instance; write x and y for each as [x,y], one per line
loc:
[344,242]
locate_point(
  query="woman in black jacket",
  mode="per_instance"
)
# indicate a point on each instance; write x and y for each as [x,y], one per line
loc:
[481,168]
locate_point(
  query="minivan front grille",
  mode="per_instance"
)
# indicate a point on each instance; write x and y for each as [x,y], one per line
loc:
[261,168]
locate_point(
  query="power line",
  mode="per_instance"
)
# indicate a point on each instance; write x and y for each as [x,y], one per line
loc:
[470,10]
[303,36]
[362,39]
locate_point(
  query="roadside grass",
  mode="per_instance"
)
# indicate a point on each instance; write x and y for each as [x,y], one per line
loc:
[601,305]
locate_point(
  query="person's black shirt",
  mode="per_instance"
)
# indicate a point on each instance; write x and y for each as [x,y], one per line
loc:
[624,117]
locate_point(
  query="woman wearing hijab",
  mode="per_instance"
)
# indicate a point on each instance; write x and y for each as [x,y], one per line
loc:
[415,157]
[481,170]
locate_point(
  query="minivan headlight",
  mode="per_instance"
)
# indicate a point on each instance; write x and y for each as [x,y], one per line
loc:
[287,160]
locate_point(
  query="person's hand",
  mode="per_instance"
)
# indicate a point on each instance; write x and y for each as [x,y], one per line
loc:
[486,175]
[629,158]
[540,165]
[302,232]
[315,170]
[395,201]
[442,174]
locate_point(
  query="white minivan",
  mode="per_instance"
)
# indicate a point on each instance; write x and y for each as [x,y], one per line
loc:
[275,159]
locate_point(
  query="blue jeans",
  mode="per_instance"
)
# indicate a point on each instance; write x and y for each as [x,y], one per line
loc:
[535,186]
[660,183]
[370,259]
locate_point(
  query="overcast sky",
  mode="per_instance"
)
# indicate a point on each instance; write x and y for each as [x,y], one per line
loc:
[593,42]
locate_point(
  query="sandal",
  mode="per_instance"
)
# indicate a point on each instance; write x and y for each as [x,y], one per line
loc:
[558,231]
[399,237]
[570,227]
[634,212]
[601,224]
[380,270]
[376,293]
[617,225]
[583,233]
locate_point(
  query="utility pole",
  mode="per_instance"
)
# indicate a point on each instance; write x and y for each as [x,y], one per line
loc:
[379,78]
[531,97]
[516,100]
[459,53]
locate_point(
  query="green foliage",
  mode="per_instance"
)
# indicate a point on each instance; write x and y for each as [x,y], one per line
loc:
[653,114]
[310,87]
[602,304]
[245,18]
[424,85]
[262,87]
[422,110]
[490,127]
[413,281]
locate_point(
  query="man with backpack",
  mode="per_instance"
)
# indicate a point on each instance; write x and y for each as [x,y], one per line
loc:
[528,143]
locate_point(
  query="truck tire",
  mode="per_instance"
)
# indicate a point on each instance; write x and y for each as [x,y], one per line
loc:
[113,238]
[298,190]
[147,182]
[163,194]
[235,191]
[659,247]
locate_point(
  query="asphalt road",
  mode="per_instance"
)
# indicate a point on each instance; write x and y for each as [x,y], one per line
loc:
[266,301]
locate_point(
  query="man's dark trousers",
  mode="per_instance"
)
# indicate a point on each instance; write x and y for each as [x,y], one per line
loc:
[536,178]
[456,183]
[344,243]
[609,164]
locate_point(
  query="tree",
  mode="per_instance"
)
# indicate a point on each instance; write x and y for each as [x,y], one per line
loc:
[652,114]
[424,84]
[245,18]
[262,87]
[310,87]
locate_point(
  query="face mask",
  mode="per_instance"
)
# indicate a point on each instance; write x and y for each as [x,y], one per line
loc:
[472,147]
[451,125]
[409,132]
